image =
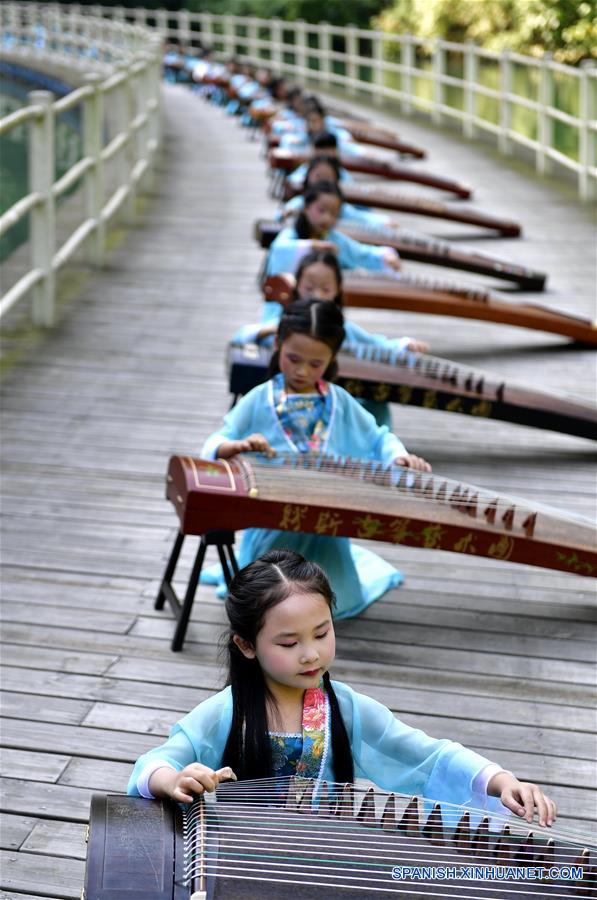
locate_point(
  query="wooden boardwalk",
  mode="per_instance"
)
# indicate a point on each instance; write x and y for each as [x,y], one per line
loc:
[499,657]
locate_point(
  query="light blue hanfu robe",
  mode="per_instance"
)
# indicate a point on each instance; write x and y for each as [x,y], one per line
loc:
[355,335]
[357,575]
[385,750]
[288,249]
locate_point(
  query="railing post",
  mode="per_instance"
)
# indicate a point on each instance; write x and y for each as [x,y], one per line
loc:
[94,177]
[43,216]
[378,59]
[252,39]
[161,16]
[439,66]
[351,51]
[545,121]
[505,109]
[300,47]
[206,33]
[326,66]
[183,26]
[275,37]
[470,82]
[131,145]
[229,35]
[587,139]
[407,60]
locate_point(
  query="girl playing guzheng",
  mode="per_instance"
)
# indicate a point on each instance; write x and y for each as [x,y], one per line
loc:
[282,715]
[319,277]
[299,411]
[314,230]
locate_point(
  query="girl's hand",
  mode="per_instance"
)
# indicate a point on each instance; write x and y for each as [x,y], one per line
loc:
[391,259]
[418,346]
[522,797]
[325,246]
[189,782]
[266,331]
[410,461]
[255,442]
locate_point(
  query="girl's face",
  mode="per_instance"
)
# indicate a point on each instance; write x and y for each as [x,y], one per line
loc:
[322,214]
[317,282]
[315,122]
[296,644]
[322,172]
[303,361]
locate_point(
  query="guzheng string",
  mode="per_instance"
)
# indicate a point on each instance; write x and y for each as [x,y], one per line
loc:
[348,836]
[418,487]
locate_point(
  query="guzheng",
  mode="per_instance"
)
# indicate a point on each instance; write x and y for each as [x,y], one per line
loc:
[274,838]
[419,379]
[287,160]
[308,494]
[376,291]
[379,197]
[368,134]
[418,247]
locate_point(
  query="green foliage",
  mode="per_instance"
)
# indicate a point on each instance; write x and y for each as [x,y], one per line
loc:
[336,12]
[567,28]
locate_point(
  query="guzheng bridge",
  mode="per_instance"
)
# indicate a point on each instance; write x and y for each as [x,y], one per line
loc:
[119,300]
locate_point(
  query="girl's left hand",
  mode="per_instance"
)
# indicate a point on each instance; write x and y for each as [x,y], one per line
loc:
[418,346]
[391,259]
[523,798]
[410,461]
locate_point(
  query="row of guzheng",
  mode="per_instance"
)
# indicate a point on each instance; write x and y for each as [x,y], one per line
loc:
[281,837]
[420,248]
[419,379]
[407,294]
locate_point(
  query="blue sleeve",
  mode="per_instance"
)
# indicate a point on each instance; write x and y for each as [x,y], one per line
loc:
[237,424]
[406,760]
[360,433]
[356,334]
[286,251]
[354,255]
[199,737]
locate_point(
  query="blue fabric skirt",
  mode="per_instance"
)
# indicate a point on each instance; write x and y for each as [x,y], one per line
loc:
[358,576]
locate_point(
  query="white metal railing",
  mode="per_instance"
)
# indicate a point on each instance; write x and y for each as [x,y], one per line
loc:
[416,73]
[120,65]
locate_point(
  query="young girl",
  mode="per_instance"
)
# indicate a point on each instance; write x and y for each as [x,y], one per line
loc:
[282,715]
[299,411]
[327,168]
[319,277]
[314,230]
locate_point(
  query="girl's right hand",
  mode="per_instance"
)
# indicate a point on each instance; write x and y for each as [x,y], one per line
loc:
[410,461]
[183,786]
[324,246]
[255,442]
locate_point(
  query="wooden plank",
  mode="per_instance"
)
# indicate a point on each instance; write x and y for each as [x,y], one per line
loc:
[14,830]
[46,801]
[54,838]
[51,709]
[98,775]
[32,765]
[47,876]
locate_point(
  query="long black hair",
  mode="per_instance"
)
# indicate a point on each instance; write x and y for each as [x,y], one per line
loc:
[312,193]
[317,319]
[256,589]
[327,258]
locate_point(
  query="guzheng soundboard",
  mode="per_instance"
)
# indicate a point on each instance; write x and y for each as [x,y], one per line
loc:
[419,379]
[276,838]
[423,295]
